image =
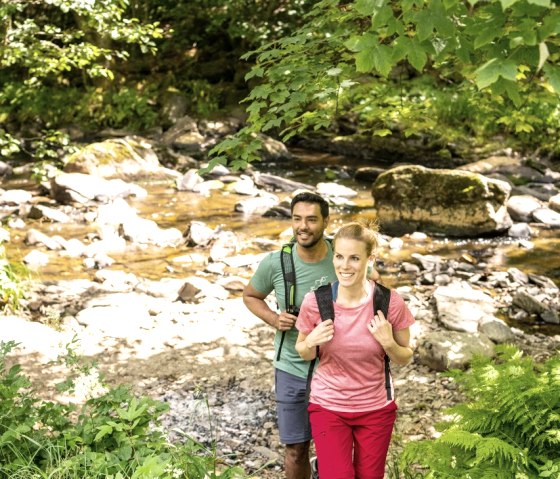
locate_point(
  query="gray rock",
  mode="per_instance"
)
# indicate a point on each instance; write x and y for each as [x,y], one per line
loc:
[521,207]
[496,330]
[443,350]
[446,202]
[547,216]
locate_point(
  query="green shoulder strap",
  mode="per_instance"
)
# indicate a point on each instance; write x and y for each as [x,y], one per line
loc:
[289,275]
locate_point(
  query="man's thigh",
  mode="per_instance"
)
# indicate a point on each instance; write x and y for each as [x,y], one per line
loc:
[291,407]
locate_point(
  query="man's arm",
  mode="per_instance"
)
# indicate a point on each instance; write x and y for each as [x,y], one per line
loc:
[255,302]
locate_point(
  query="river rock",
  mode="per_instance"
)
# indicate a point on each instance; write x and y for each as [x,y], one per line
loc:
[15,197]
[521,207]
[32,337]
[266,180]
[35,259]
[335,190]
[5,169]
[554,203]
[225,244]
[38,212]
[460,307]
[145,231]
[443,350]
[189,180]
[539,190]
[520,231]
[446,202]
[547,216]
[528,302]
[257,205]
[195,288]
[129,158]
[199,233]
[81,188]
[496,330]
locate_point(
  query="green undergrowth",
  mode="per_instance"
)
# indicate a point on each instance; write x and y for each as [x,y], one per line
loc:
[112,434]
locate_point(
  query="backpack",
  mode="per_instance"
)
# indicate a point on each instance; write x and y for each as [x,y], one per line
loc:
[289,275]
[324,296]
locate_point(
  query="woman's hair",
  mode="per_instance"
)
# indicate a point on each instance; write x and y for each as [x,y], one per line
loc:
[360,232]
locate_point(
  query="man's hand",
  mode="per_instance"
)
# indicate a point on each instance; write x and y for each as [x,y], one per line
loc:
[285,321]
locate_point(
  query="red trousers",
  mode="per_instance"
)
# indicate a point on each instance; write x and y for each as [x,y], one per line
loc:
[352,445]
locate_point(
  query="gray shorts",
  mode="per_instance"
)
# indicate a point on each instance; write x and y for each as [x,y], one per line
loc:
[291,408]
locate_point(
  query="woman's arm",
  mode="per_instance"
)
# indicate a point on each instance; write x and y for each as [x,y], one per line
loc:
[307,353]
[306,344]
[395,343]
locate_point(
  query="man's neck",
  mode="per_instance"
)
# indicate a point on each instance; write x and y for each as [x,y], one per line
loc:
[316,253]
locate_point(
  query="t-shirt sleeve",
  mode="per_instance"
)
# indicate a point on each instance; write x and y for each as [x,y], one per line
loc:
[308,316]
[399,314]
[262,280]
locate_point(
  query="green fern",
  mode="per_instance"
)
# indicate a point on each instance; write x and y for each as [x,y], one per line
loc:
[509,428]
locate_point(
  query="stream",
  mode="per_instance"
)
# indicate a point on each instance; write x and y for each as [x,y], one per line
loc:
[171,208]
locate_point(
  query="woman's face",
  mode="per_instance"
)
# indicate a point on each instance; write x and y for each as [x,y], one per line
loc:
[350,261]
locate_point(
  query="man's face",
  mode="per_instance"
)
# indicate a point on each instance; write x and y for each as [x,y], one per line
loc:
[307,224]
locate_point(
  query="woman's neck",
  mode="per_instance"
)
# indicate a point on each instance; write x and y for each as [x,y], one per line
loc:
[353,295]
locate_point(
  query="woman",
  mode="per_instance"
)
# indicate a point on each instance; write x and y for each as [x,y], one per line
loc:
[350,410]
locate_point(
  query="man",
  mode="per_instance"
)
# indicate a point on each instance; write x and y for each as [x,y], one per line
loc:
[313,265]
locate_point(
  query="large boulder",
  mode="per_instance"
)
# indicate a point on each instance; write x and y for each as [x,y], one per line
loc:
[127,158]
[439,201]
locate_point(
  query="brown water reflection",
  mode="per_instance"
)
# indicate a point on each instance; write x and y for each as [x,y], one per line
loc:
[170,208]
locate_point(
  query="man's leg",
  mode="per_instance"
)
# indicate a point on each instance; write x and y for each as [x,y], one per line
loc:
[296,461]
[293,424]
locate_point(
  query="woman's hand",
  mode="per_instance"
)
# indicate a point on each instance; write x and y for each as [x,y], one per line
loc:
[322,334]
[306,344]
[381,329]
[396,344]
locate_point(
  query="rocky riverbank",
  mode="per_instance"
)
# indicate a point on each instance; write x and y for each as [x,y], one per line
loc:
[175,327]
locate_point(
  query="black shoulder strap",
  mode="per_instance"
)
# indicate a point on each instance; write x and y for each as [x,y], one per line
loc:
[381,299]
[289,276]
[324,297]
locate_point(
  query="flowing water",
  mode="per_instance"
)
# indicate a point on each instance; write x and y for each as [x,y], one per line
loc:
[171,208]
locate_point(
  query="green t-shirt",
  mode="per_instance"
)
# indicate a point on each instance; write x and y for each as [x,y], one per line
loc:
[309,276]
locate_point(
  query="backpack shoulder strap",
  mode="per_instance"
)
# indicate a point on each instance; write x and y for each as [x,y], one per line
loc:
[324,297]
[381,300]
[289,276]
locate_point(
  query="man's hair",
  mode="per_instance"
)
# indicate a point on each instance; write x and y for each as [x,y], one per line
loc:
[308,197]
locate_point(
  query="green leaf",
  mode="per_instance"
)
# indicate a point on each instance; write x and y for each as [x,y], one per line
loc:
[365,7]
[382,17]
[541,3]
[553,76]
[383,132]
[382,60]
[507,3]
[416,55]
[489,73]
[365,61]
[424,25]
[485,36]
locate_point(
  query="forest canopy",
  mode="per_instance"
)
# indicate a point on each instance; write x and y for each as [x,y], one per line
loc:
[371,68]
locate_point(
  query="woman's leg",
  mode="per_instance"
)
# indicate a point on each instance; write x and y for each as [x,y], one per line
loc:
[372,435]
[333,443]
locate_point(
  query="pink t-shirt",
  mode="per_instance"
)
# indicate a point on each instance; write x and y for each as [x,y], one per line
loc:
[350,376]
